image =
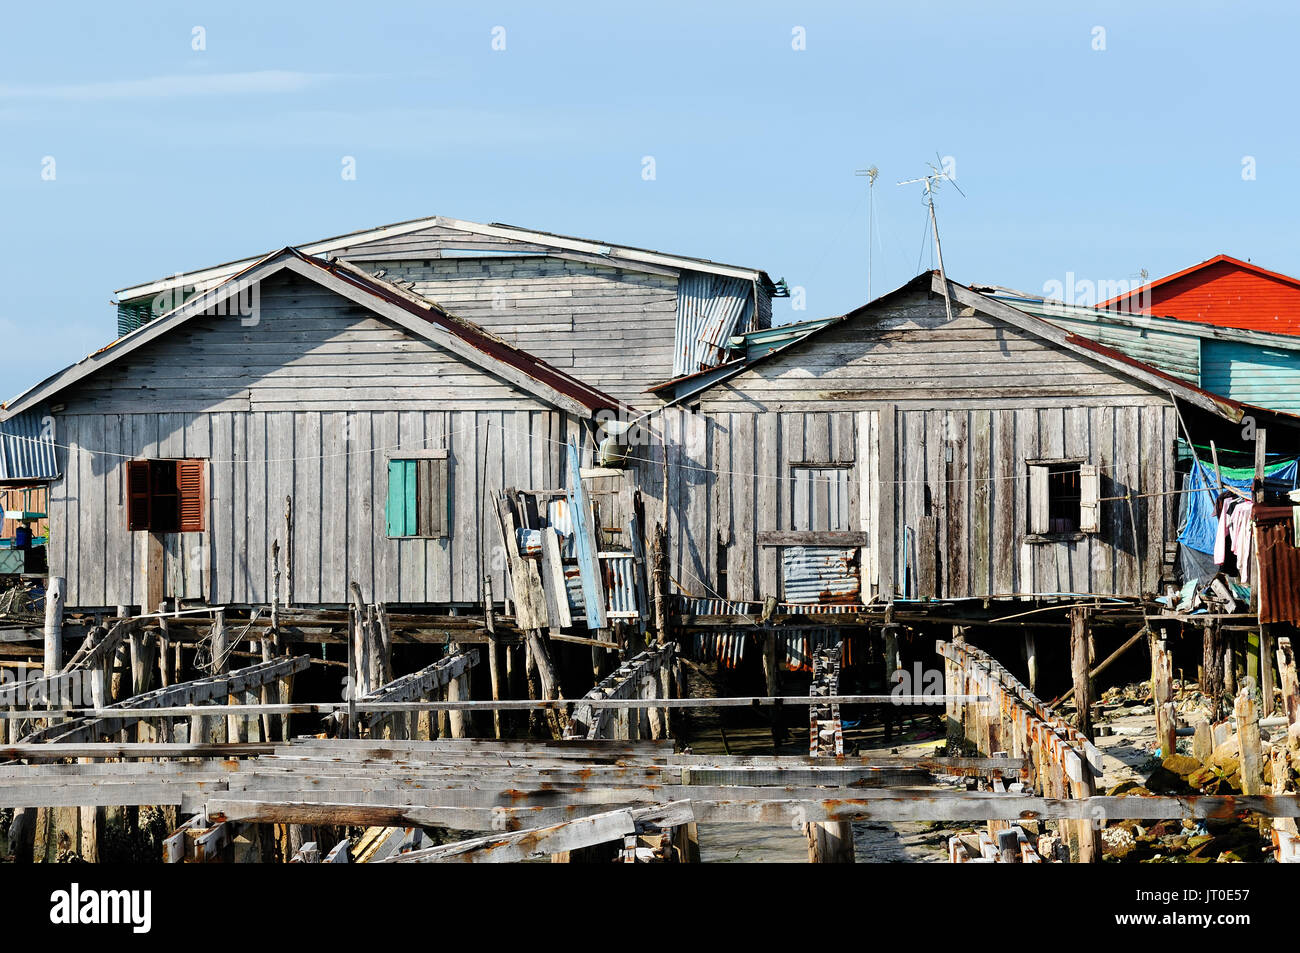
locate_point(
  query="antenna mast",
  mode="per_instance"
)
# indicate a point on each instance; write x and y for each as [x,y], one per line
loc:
[871,174]
[931,181]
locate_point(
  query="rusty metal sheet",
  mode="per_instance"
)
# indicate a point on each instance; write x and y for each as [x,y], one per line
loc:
[820,575]
[1279,570]
[620,585]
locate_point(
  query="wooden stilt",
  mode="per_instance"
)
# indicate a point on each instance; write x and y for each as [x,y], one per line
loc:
[1080,636]
[1031,659]
[1246,714]
[493,653]
[1265,671]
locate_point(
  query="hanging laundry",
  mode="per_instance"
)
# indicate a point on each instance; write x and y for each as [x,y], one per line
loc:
[1235,532]
[1200,521]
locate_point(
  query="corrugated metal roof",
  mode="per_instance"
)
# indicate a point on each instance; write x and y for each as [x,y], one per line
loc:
[1169,348]
[1255,367]
[619,255]
[27,449]
[710,309]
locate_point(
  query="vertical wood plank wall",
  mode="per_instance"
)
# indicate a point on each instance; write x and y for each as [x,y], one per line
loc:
[338,489]
[978,491]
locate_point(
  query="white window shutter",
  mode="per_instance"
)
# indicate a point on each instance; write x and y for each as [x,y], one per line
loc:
[1038,511]
[1089,495]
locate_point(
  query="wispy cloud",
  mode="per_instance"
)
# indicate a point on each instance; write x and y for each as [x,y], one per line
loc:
[171,87]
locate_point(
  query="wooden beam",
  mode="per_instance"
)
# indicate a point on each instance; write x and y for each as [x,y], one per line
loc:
[540,842]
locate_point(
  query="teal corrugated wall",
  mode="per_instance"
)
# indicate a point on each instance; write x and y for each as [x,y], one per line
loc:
[1253,374]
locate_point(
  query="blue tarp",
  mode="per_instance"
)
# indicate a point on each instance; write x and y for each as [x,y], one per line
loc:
[1199,522]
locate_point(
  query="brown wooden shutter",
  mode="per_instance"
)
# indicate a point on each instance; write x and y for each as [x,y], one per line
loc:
[138,499]
[189,484]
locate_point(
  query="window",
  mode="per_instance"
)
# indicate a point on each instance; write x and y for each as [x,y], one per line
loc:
[821,498]
[165,496]
[1063,497]
[418,495]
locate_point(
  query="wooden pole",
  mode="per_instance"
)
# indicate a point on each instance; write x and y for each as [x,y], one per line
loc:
[54,626]
[275,595]
[220,665]
[663,618]
[1031,659]
[494,665]
[288,550]
[1212,667]
[164,648]
[1079,629]
[1162,696]
[1265,670]
[1246,714]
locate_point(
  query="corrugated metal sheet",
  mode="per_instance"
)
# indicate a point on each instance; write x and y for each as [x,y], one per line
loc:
[620,585]
[1172,352]
[558,518]
[765,340]
[27,449]
[710,309]
[1269,377]
[1279,570]
[725,648]
[820,574]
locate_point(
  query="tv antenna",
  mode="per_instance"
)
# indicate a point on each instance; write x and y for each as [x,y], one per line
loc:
[870,174]
[931,184]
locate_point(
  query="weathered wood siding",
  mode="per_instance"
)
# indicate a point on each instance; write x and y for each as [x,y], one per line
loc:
[610,327]
[309,403]
[967,467]
[938,419]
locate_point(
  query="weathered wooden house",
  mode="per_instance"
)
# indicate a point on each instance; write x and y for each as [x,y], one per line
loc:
[304,402]
[618,317]
[902,451]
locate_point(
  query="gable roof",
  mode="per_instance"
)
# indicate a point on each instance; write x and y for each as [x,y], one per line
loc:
[417,315]
[621,256]
[931,281]
[1221,259]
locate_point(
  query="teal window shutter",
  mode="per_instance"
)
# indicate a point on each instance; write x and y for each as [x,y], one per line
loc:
[401,498]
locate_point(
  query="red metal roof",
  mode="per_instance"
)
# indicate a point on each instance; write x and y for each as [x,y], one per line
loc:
[1222,291]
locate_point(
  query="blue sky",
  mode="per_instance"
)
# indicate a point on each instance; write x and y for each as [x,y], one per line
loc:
[1099,162]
